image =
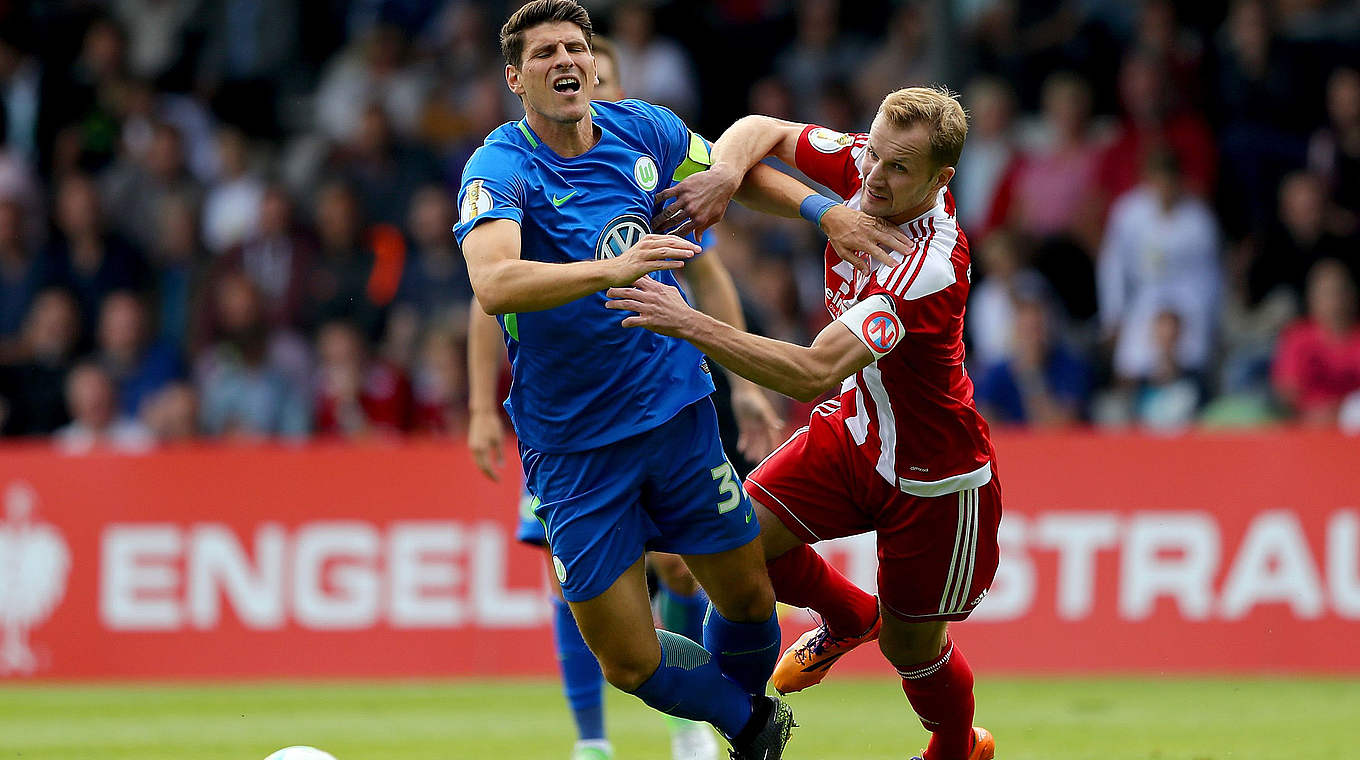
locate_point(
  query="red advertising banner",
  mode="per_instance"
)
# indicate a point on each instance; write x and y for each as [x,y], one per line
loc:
[1206,553]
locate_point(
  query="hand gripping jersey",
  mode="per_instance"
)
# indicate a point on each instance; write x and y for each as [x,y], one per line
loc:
[911,412]
[579,380]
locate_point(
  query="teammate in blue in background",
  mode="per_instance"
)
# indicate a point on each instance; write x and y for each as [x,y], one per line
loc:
[617,437]
[680,603]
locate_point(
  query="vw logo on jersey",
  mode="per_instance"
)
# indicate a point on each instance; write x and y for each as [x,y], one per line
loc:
[880,331]
[646,174]
[622,233]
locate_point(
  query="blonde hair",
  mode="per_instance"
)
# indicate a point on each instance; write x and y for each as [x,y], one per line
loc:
[936,107]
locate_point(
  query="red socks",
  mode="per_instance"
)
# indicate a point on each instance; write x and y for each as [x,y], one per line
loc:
[941,693]
[803,579]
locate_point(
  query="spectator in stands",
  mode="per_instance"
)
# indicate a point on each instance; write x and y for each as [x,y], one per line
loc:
[1317,364]
[439,384]
[1178,53]
[134,189]
[252,382]
[1334,152]
[1006,279]
[653,68]
[156,33]
[277,256]
[76,126]
[434,281]
[988,153]
[231,207]
[20,273]
[95,420]
[177,262]
[172,414]
[31,386]
[1297,241]
[1170,395]
[1161,252]
[818,55]
[384,170]
[1151,124]
[138,364]
[248,50]
[86,258]
[358,395]
[908,56]
[1263,106]
[349,281]
[20,87]
[1041,383]
[373,71]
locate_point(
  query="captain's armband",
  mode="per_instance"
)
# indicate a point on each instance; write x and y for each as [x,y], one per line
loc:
[874,321]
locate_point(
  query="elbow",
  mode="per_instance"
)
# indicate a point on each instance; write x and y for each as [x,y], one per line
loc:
[491,301]
[812,385]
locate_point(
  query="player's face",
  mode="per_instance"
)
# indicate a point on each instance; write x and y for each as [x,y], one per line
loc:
[900,178]
[609,87]
[556,76]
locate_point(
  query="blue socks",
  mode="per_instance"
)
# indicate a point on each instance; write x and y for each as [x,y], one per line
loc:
[689,684]
[746,652]
[581,677]
[682,614]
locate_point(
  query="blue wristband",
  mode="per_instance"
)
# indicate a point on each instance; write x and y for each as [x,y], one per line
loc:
[814,207]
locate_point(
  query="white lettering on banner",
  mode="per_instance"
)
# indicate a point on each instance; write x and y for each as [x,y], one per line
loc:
[138,587]
[334,583]
[1343,563]
[1012,592]
[218,566]
[1169,554]
[1273,565]
[329,575]
[1076,536]
[497,606]
[422,575]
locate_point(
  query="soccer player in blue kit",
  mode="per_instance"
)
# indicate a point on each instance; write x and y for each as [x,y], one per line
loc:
[617,438]
[680,603]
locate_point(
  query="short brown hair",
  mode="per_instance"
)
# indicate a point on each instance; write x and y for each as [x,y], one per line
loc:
[540,12]
[936,107]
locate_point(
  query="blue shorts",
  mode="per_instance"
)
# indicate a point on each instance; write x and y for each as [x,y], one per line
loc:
[669,489]
[530,530]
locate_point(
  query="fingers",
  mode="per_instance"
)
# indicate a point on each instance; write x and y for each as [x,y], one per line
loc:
[482,457]
[667,194]
[883,257]
[854,258]
[685,228]
[624,304]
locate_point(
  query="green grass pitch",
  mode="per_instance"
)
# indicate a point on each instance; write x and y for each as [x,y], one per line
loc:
[843,719]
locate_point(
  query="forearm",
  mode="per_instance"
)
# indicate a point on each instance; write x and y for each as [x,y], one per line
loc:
[517,285]
[770,191]
[484,352]
[715,294]
[782,367]
[746,143]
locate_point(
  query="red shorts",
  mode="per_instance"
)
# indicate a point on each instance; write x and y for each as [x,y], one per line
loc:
[936,555]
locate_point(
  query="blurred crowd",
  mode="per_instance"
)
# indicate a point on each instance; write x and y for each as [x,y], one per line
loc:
[231,218]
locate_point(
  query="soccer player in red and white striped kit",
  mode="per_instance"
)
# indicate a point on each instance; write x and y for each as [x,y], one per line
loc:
[902,450]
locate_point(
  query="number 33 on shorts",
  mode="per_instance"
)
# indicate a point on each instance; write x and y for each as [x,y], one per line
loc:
[729,487]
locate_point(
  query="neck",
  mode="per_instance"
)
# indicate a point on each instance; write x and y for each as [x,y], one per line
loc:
[567,139]
[917,210]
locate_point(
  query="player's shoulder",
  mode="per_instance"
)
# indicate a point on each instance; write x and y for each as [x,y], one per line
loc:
[632,110]
[932,267]
[829,141]
[503,151]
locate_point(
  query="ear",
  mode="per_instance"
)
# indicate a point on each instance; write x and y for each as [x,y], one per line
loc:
[942,178]
[512,80]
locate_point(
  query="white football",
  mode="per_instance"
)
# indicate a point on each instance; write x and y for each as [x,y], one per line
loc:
[300,753]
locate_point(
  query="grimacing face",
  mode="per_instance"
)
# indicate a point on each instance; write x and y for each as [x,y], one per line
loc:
[899,175]
[556,75]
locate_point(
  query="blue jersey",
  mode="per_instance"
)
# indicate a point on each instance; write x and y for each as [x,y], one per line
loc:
[580,381]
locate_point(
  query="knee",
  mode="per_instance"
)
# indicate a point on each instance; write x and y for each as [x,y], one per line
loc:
[906,646]
[752,603]
[674,574]
[628,673]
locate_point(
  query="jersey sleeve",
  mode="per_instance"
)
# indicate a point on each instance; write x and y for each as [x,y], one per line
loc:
[831,158]
[874,321]
[680,150]
[917,288]
[491,189]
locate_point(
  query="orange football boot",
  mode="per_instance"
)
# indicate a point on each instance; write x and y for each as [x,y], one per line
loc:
[984,746]
[808,660]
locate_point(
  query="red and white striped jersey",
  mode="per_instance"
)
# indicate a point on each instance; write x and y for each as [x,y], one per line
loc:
[911,412]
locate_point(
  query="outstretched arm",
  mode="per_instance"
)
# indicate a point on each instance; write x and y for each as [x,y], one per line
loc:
[802,372]
[506,283]
[701,199]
